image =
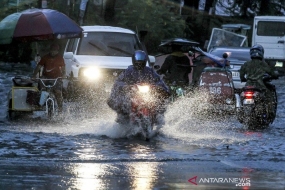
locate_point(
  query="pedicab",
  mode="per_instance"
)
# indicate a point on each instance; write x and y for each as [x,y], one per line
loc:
[26,97]
[34,25]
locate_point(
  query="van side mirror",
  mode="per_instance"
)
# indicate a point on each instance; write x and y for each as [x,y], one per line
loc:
[68,55]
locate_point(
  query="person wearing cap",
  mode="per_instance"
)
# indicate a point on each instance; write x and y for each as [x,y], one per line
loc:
[53,67]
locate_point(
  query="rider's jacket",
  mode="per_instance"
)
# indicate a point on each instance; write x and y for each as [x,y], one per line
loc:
[132,76]
[254,71]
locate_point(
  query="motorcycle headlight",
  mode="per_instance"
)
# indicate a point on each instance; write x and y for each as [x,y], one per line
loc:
[143,88]
[92,73]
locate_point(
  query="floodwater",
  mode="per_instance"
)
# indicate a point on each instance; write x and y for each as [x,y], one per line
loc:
[86,149]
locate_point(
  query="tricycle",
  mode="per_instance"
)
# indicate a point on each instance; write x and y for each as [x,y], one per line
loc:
[27,97]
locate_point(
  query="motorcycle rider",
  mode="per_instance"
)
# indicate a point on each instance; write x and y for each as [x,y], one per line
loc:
[254,70]
[176,67]
[138,72]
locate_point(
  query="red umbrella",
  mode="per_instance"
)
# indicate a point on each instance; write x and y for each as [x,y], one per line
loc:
[37,25]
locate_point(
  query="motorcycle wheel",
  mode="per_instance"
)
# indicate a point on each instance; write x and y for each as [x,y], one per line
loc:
[147,128]
[50,110]
[248,117]
[11,115]
[275,104]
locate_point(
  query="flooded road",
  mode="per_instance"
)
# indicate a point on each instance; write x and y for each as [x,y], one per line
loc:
[86,149]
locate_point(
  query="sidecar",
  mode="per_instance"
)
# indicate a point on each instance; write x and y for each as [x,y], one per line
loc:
[215,83]
[23,98]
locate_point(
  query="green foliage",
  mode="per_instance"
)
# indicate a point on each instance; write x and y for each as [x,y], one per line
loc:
[10,6]
[152,16]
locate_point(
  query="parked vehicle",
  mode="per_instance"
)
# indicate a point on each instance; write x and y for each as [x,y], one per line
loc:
[229,35]
[96,59]
[252,108]
[237,56]
[25,97]
[268,31]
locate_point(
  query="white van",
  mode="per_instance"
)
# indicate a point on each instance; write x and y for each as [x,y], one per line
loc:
[100,55]
[269,31]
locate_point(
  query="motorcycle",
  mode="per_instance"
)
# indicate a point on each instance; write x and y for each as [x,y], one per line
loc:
[146,103]
[252,107]
[26,98]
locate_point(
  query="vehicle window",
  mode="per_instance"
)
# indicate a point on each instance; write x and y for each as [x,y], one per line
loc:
[269,28]
[238,54]
[108,44]
[72,45]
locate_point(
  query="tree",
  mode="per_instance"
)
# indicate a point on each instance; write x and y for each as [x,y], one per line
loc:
[109,12]
[152,16]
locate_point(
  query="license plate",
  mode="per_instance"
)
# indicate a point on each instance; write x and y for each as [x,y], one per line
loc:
[278,64]
[248,101]
[235,74]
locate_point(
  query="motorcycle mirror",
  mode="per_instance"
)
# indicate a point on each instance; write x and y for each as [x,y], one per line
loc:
[225,55]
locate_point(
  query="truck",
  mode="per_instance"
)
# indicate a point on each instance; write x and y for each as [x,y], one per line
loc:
[269,31]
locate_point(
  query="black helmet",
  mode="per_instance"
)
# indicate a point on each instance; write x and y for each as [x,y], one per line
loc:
[139,59]
[256,52]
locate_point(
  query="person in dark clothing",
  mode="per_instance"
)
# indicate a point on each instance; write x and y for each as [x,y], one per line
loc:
[53,67]
[176,67]
[253,71]
[119,99]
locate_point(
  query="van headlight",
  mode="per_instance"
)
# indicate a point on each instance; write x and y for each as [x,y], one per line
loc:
[91,73]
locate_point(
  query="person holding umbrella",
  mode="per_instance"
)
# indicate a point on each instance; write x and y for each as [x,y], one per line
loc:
[53,67]
[176,67]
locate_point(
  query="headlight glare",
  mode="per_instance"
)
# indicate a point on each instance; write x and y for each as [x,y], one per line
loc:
[143,88]
[91,73]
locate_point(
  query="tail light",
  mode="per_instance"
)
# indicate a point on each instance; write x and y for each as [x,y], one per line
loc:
[248,94]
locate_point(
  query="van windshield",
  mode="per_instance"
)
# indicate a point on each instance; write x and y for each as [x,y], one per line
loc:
[108,44]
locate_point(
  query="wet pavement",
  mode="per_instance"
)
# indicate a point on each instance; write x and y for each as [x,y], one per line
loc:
[86,149]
